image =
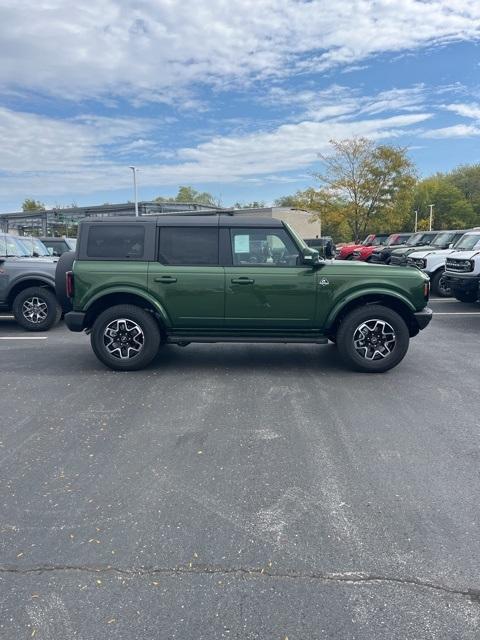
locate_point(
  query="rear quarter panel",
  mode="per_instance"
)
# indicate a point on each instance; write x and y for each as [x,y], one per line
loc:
[93,278]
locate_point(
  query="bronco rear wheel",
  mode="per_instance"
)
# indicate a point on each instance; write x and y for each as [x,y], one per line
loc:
[373,338]
[125,338]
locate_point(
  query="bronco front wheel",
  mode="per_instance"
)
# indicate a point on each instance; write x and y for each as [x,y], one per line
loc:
[125,338]
[373,338]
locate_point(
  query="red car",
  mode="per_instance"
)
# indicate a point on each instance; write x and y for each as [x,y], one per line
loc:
[372,240]
[365,252]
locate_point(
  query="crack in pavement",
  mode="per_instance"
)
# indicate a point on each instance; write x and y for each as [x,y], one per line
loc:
[348,577]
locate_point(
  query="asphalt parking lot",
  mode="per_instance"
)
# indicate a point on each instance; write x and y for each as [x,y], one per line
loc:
[237,491]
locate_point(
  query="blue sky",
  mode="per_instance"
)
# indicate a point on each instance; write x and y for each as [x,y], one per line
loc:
[234,97]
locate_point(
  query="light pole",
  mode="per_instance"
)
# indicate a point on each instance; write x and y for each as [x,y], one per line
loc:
[134,171]
[416,220]
[431,215]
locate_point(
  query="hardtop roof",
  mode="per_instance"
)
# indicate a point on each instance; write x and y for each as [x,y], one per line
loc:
[226,219]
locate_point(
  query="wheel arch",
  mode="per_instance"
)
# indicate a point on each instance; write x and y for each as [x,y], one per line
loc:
[111,298]
[27,282]
[391,300]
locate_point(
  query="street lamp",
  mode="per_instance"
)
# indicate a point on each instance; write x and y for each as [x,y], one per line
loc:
[416,220]
[134,171]
[431,215]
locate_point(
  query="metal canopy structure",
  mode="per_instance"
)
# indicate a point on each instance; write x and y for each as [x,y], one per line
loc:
[64,221]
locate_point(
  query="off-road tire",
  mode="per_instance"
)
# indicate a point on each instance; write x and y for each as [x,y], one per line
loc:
[151,337]
[439,288]
[465,296]
[349,328]
[48,306]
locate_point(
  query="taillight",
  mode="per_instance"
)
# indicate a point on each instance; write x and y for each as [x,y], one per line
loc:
[69,283]
[426,290]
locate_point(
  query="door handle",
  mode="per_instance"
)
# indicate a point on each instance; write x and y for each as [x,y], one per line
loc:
[243,280]
[165,279]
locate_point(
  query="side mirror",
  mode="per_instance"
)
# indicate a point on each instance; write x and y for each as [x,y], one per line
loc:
[450,246]
[50,250]
[310,256]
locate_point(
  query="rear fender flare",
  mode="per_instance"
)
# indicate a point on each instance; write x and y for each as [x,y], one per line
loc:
[132,290]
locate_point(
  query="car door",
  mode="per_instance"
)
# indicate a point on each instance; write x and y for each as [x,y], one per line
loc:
[187,278]
[266,286]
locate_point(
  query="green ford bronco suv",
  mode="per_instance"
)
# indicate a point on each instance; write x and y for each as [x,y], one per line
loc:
[135,284]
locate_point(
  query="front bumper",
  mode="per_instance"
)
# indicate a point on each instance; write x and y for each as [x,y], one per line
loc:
[423,317]
[75,320]
[462,283]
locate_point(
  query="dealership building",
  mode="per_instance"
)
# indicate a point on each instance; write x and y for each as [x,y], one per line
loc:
[64,222]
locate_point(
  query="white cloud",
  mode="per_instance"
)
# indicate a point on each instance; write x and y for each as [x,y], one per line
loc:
[455,131]
[466,110]
[45,157]
[34,143]
[161,49]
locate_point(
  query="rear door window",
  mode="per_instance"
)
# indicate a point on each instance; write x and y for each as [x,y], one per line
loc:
[188,246]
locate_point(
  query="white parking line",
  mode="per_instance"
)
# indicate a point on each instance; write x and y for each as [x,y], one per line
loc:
[456,313]
[23,338]
[7,317]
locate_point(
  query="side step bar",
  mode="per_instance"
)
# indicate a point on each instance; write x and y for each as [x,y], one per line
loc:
[184,339]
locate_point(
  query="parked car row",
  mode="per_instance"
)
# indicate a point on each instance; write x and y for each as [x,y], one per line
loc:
[450,258]
[27,280]
[454,270]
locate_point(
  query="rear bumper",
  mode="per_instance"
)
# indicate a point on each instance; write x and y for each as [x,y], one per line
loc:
[423,317]
[75,320]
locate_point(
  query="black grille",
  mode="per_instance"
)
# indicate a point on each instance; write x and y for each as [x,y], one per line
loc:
[462,266]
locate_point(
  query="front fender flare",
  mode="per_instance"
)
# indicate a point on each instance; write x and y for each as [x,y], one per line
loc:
[357,295]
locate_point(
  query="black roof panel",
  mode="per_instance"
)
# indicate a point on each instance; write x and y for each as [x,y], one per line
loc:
[197,220]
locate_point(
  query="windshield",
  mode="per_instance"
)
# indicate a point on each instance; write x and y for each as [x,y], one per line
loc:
[396,238]
[415,239]
[368,240]
[10,246]
[421,238]
[34,246]
[443,239]
[468,241]
[378,241]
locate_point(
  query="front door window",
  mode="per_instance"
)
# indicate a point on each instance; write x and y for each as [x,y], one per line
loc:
[268,247]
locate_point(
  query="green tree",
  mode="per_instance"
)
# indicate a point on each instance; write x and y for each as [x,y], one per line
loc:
[467,179]
[32,205]
[189,194]
[452,210]
[366,184]
[287,201]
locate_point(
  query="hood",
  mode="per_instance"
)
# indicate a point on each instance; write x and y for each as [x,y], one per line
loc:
[350,247]
[430,252]
[32,263]
[464,255]
[407,250]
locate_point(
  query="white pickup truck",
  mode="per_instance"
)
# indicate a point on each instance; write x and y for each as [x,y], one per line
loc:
[432,262]
[462,268]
